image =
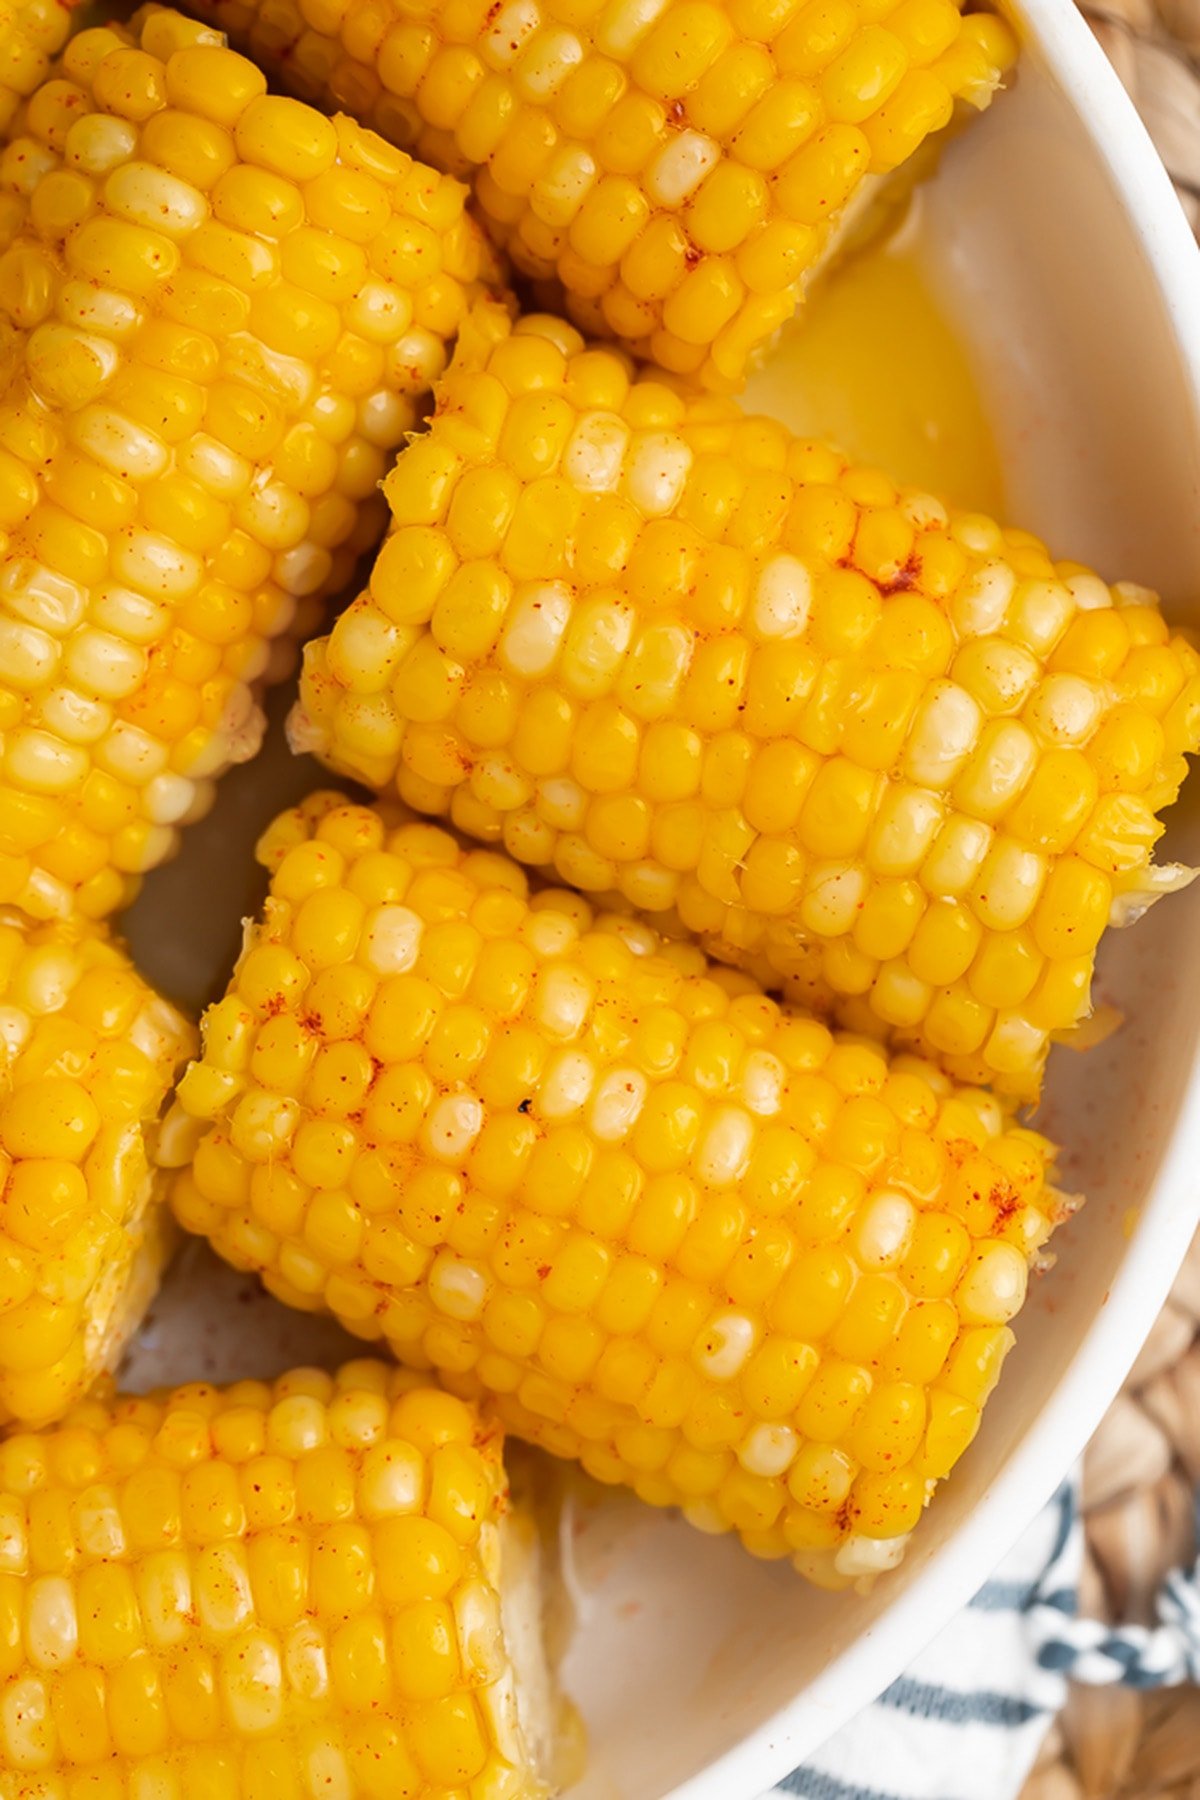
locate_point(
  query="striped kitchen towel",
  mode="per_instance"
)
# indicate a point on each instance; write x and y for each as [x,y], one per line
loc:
[966,1719]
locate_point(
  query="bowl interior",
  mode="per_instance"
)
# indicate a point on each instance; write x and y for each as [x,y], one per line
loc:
[698,1670]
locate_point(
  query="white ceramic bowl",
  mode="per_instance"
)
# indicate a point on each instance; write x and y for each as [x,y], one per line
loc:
[1056,245]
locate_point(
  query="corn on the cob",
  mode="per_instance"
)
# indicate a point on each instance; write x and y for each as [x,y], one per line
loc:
[88,1055]
[31,33]
[228,308]
[681,1234]
[672,170]
[286,1589]
[895,755]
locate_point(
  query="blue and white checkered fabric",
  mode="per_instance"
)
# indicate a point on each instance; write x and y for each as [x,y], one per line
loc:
[966,1720]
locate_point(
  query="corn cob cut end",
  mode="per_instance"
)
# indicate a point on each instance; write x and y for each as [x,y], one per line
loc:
[680,1235]
[288,1586]
[90,1054]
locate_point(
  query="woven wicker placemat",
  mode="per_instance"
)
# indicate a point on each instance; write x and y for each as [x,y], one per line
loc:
[1140,1474]
[1142,1469]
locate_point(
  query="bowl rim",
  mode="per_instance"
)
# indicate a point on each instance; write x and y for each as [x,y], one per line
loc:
[1171,1212]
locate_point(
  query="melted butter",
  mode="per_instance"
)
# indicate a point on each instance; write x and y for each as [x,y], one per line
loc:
[875,366]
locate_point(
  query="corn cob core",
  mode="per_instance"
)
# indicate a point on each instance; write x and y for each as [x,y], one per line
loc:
[230,306]
[681,1234]
[895,755]
[89,1054]
[31,33]
[672,169]
[285,1589]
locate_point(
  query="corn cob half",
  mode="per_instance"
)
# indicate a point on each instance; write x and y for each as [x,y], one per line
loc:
[228,307]
[672,170]
[89,1054]
[681,1234]
[896,756]
[286,1589]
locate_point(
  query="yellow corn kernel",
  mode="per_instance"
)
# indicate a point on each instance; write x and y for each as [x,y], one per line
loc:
[677,1231]
[90,1053]
[208,1611]
[836,735]
[277,288]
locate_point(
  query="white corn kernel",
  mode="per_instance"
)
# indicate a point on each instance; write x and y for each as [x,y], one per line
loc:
[883,1230]
[563,185]
[764,1078]
[980,606]
[151,197]
[836,892]
[992,1289]
[562,999]
[391,939]
[51,1624]
[44,764]
[168,799]
[458,1289]
[547,63]
[103,664]
[1066,709]
[782,598]
[724,1150]
[725,1346]
[118,444]
[537,620]
[1089,593]
[28,657]
[561,803]
[942,735]
[566,1085]
[616,1104]
[673,176]
[452,1125]
[509,32]
[595,452]
[74,717]
[155,565]
[32,592]
[768,1450]
[656,471]
[863,1557]
[623,24]
[98,142]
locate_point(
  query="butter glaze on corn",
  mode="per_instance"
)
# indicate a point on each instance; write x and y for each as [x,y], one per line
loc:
[679,1233]
[275,1589]
[227,308]
[87,1056]
[671,169]
[896,756]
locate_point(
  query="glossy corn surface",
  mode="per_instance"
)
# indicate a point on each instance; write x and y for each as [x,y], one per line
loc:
[897,757]
[671,171]
[225,308]
[88,1055]
[680,1233]
[285,1589]
[32,32]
